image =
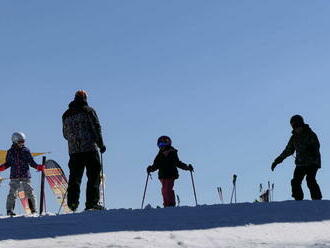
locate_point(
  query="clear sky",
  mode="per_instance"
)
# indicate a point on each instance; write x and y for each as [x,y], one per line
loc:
[221,78]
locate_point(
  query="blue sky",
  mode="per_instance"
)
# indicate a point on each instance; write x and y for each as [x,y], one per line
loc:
[221,78]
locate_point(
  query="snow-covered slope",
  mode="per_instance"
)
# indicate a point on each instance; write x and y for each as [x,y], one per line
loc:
[277,224]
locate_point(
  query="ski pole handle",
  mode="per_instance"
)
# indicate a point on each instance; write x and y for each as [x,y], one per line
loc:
[234,178]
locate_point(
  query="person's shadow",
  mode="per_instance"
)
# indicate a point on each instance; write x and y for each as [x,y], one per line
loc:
[168,219]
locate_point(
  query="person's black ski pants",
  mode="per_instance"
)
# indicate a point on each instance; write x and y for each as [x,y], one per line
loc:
[77,164]
[299,173]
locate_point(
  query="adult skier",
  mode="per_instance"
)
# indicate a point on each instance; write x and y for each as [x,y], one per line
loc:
[308,159]
[166,162]
[82,130]
[19,159]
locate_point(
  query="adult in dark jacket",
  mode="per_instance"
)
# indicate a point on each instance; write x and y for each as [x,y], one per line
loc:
[308,158]
[166,162]
[82,130]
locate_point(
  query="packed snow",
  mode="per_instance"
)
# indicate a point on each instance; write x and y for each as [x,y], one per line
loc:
[276,224]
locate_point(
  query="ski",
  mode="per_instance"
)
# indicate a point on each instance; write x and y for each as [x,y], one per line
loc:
[24,200]
[57,182]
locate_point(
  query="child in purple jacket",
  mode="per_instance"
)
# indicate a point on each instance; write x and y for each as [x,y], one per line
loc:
[19,159]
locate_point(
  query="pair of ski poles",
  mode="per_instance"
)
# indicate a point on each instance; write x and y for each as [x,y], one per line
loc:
[146,184]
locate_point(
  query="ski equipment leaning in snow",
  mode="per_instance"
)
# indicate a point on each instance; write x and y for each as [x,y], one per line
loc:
[42,190]
[219,189]
[102,185]
[82,130]
[166,162]
[308,158]
[19,159]
[57,182]
[233,193]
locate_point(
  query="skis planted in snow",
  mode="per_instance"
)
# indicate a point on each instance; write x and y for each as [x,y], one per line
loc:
[57,182]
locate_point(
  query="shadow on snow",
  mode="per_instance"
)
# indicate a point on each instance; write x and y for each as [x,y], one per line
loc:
[169,219]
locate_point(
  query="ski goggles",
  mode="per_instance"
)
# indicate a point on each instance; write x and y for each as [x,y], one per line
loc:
[163,144]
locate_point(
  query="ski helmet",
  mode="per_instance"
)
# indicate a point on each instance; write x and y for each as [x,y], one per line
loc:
[164,141]
[297,121]
[81,94]
[18,137]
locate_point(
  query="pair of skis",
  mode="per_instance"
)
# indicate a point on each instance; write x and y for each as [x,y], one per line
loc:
[25,202]
[266,195]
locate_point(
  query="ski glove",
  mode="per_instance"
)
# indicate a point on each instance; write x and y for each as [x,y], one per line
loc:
[41,167]
[149,169]
[277,161]
[103,149]
[190,167]
[2,168]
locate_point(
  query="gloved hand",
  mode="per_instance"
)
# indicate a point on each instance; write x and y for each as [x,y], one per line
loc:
[190,167]
[273,165]
[103,149]
[149,169]
[2,168]
[277,161]
[40,167]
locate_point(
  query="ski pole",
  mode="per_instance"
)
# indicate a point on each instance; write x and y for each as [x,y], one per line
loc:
[223,202]
[218,189]
[220,195]
[59,210]
[145,189]
[103,193]
[193,184]
[42,188]
[269,192]
[178,200]
[234,189]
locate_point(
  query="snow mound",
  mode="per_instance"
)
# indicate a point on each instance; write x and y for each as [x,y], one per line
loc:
[168,219]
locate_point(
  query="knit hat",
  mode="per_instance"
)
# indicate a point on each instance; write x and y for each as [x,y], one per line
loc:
[297,121]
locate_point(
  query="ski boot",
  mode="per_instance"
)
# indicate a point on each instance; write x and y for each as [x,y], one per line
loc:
[10,213]
[73,207]
[95,207]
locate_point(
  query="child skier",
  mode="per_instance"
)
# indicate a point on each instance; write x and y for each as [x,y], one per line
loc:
[19,159]
[166,162]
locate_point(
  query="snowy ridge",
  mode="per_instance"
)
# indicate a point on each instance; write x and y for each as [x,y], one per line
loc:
[169,219]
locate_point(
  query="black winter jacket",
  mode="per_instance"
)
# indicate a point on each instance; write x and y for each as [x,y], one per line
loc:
[81,128]
[307,148]
[167,162]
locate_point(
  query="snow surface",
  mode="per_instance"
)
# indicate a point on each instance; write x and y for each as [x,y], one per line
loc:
[276,224]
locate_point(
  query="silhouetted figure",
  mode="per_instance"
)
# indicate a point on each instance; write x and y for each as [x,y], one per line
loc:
[82,130]
[308,159]
[166,162]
